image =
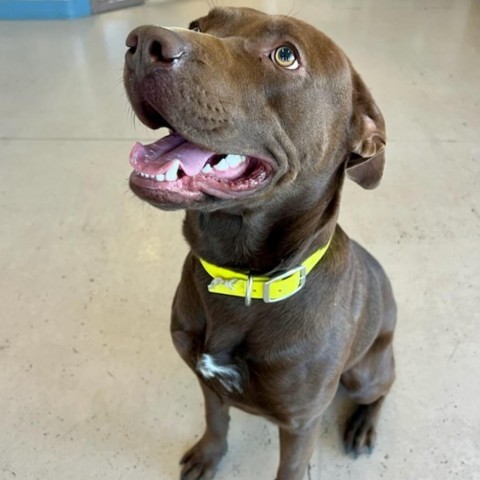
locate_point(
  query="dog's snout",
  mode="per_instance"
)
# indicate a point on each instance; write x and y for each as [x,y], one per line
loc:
[154,46]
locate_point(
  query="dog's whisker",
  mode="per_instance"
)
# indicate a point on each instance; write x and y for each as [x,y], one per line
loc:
[120,79]
[294,10]
[214,3]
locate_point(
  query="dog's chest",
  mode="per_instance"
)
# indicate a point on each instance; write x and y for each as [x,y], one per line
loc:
[228,375]
[218,369]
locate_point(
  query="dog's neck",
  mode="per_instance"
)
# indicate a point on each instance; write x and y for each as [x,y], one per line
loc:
[269,238]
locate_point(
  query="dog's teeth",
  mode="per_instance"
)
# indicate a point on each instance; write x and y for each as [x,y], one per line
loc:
[172,173]
[207,168]
[160,177]
[235,160]
[222,165]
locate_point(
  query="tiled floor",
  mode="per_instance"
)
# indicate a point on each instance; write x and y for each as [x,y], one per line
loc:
[90,385]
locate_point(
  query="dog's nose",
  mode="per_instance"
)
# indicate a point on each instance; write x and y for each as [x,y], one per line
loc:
[157,47]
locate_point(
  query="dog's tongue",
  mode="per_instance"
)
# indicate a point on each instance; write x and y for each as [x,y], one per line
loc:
[157,157]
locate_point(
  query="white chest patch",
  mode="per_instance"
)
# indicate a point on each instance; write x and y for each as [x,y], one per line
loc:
[227,375]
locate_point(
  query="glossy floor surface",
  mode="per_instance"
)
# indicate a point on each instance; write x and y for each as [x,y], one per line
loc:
[90,385]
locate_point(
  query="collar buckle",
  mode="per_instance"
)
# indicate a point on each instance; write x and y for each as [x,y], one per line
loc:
[267,295]
[248,292]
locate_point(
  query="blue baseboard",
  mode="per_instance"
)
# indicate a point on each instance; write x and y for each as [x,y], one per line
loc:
[43,9]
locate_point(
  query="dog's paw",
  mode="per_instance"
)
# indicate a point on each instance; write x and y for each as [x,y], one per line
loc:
[201,461]
[360,433]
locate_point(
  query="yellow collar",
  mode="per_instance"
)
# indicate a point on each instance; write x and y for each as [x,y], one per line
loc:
[275,289]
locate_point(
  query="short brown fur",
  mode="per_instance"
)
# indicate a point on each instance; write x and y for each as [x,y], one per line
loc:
[318,125]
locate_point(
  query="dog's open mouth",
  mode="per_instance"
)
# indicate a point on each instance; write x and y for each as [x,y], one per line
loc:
[173,169]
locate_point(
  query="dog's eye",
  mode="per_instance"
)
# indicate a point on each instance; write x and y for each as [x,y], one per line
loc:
[285,57]
[195,26]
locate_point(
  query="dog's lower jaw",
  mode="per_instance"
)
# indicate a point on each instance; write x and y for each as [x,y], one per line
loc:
[174,171]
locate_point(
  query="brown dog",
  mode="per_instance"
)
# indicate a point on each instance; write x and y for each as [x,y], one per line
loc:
[276,305]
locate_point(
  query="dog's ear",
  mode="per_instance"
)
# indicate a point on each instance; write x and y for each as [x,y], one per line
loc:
[367,138]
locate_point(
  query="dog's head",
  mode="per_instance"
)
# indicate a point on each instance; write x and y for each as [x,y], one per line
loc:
[256,105]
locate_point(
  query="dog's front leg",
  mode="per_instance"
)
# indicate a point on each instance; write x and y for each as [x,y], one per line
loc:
[202,460]
[296,448]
